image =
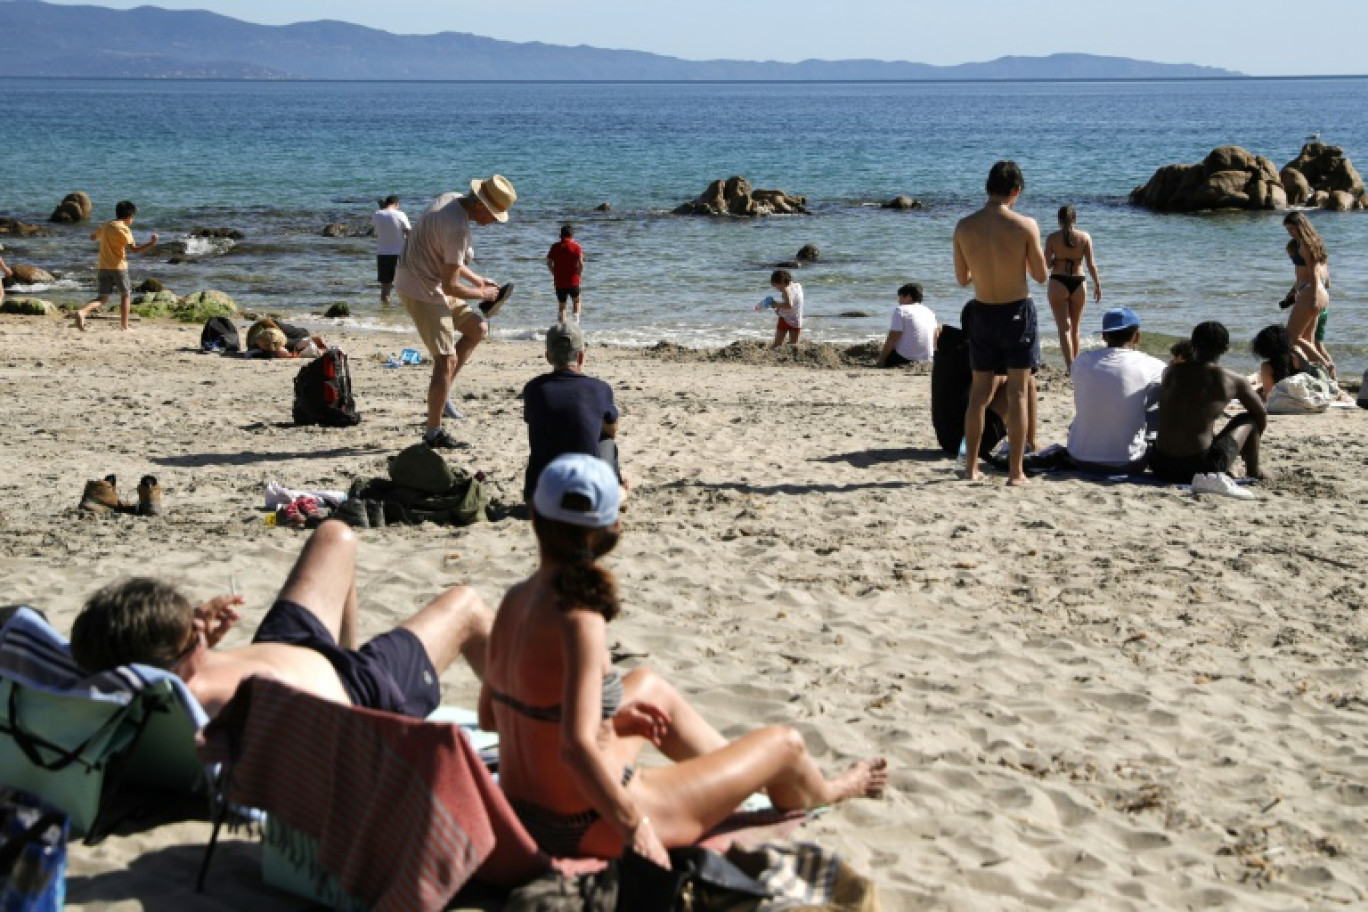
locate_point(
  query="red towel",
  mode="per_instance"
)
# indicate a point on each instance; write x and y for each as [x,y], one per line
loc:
[404,811]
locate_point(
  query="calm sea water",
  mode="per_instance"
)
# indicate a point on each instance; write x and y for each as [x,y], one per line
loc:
[278,161]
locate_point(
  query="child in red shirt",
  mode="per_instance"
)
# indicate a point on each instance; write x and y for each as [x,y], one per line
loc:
[566,262]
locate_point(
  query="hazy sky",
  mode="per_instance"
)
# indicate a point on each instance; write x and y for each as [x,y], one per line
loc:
[1257,37]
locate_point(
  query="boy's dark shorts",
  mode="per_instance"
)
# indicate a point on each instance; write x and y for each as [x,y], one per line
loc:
[385,264]
[1001,336]
[391,673]
[566,294]
[110,281]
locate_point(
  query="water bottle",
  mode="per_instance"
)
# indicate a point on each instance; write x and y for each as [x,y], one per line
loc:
[962,460]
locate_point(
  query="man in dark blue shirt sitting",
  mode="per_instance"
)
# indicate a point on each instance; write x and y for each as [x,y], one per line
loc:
[567,411]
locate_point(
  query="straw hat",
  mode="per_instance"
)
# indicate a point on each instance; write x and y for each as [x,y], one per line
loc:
[497,194]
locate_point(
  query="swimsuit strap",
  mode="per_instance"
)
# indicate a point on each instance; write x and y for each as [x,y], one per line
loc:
[612,701]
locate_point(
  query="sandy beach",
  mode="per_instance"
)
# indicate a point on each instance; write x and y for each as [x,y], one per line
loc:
[1091,696]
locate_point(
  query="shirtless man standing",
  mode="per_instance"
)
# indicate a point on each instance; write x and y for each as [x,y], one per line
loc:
[1192,395]
[995,250]
[307,639]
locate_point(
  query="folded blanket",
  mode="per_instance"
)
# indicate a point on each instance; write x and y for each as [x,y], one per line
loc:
[403,811]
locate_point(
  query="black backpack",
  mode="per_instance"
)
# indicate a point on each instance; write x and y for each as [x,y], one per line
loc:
[323,392]
[220,335]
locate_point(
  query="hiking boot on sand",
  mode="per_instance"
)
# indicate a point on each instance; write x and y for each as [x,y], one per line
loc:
[102,498]
[149,496]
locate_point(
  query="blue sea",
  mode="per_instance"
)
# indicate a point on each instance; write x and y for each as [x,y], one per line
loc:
[279,161]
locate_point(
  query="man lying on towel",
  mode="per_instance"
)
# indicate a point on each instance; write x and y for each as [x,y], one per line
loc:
[307,639]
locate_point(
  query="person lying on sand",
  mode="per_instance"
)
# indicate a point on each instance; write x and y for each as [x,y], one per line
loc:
[571,729]
[307,639]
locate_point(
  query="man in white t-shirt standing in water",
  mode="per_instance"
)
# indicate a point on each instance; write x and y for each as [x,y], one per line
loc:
[391,227]
[912,332]
[436,286]
[995,249]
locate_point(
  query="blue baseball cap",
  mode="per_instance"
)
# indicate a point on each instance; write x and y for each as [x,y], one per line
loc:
[587,476]
[1119,318]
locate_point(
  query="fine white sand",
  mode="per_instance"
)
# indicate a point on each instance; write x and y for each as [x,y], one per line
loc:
[1091,696]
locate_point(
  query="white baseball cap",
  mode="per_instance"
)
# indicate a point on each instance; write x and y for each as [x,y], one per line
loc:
[587,476]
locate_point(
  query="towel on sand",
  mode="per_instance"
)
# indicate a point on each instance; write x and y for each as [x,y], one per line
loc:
[404,811]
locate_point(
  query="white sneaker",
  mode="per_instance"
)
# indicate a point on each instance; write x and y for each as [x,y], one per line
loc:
[451,411]
[1219,483]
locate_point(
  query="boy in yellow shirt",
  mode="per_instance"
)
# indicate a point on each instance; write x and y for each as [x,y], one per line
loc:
[116,239]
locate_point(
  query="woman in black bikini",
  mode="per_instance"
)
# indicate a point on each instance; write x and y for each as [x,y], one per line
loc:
[1066,252]
[570,728]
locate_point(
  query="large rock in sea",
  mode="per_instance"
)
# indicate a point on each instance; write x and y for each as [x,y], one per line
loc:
[29,275]
[10,227]
[74,207]
[155,304]
[1228,178]
[903,202]
[735,196]
[1324,169]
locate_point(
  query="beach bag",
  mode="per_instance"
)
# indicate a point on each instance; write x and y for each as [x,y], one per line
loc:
[323,392]
[951,377]
[33,854]
[698,880]
[220,335]
[1299,394]
[1363,392]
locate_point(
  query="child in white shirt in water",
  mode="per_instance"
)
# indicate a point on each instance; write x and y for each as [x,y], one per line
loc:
[789,306]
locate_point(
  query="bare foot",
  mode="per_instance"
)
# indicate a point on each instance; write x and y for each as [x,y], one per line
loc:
[80,320]
[1018,481]
[866,779]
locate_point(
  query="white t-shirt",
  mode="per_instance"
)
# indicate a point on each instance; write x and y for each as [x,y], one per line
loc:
[390,227]
[917,324]
[1110,388]
[439,240]
[794,316]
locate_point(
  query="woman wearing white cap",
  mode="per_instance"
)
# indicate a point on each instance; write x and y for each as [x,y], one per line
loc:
[551,692]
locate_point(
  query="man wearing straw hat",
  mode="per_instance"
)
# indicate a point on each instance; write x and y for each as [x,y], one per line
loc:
[444,296]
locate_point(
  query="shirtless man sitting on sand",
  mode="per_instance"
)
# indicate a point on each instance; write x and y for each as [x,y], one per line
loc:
[1192,395]
[307,639]
[995,249]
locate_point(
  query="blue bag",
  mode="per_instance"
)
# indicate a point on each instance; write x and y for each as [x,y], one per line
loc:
[33,854]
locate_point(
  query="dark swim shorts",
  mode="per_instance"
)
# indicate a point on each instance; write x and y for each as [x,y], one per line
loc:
[385,265]
[391,673]
[567,293]
[1001,336]
[1219,457]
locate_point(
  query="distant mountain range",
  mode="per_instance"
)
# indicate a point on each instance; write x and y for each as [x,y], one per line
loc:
[41,39]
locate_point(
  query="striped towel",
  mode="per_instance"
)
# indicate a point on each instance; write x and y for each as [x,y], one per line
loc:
[403,811]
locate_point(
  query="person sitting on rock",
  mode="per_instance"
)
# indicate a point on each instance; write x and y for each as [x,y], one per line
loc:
[307,639]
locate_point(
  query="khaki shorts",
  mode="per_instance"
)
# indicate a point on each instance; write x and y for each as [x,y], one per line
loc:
[437,324]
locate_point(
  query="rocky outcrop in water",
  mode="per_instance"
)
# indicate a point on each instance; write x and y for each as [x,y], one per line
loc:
[29,275]
[10,227]
[231,234]
[28,307]
[1234,178]
[735,196]
[903,203]
[74,207]
[809,253]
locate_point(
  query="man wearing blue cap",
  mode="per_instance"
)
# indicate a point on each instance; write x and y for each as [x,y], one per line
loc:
[1115,389]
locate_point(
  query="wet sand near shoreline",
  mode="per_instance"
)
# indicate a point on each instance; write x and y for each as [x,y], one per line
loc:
[1090,695]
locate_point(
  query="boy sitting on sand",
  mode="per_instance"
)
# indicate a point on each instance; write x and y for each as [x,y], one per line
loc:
[789,307]
[307,639]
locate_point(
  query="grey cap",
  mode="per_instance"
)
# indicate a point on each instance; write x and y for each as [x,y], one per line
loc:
[564,341]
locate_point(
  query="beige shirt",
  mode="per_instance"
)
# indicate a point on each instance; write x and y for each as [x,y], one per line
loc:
[440,240]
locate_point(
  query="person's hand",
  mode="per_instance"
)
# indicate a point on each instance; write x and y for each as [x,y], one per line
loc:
[647,844]
[642,719]
[490,283]
[153,241]
[1097,293]
[489,292]
[217,616]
